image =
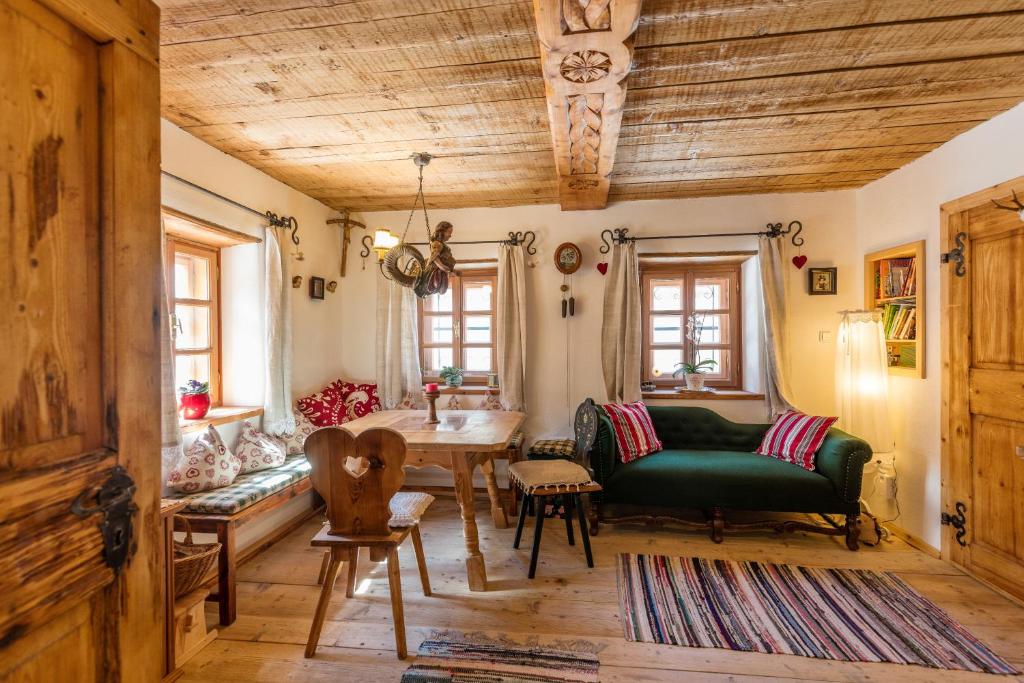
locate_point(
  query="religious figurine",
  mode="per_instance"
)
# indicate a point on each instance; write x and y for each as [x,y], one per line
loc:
[433,279]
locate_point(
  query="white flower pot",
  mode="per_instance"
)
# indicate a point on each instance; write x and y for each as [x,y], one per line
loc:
[695,381]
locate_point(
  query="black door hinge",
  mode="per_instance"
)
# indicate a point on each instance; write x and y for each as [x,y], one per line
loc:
[114,502]
[956,255]
[958,522]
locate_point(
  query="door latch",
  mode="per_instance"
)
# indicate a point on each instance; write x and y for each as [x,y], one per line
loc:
[114,502]
[958,522]
[956,255]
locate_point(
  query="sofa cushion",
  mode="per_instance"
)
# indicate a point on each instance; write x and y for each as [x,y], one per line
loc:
[258,451]
[706,479]
[247,489]
[795,438]
[634,431]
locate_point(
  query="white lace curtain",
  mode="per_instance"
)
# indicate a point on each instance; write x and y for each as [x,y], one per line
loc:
[170,431]
[278,417]
[773,326]
[862,380]
[621,340]
[511,327]
[398,356]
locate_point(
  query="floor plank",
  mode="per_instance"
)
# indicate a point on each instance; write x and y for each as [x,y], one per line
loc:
[567,602]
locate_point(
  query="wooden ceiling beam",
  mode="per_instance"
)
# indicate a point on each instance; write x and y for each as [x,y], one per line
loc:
[586,53]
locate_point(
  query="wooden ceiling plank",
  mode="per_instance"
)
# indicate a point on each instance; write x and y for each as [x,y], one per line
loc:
[586,51]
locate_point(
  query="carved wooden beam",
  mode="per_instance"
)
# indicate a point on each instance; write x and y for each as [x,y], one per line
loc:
[586,53]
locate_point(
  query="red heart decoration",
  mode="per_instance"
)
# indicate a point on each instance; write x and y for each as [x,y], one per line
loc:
[603,267]
[799,261]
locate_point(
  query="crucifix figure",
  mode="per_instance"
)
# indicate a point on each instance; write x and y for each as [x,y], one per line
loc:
[346,224]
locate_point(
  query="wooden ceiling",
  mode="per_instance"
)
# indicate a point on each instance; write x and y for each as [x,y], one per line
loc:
[725,96]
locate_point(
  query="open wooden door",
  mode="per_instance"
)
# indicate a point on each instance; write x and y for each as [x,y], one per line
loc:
[79,354]
[983,386]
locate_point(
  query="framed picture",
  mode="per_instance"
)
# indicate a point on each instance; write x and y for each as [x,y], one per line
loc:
[316,288]
[822,280]
[568,258]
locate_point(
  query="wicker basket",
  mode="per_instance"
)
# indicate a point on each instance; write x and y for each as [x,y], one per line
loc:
[192,561]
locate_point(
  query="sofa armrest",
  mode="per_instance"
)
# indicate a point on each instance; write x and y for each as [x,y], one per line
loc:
[841,458]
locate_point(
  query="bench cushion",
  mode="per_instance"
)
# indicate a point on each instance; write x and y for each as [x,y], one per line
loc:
[247,489]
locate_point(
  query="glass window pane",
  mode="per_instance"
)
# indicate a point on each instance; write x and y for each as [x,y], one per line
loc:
[191,276]
[439,302]
[195,367]
[666,295]
[478,329]
[476,296]
[665,360]
[666,329]
[705,328]
[722,368]
[477,360]
[193,327]
[439,329]
[435,359]
[710,293]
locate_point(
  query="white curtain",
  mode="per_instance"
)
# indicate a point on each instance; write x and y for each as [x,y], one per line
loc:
[862,380]
[170,431]
[398,356]
[278,417]
[621,340]
[773,326]
[511,327]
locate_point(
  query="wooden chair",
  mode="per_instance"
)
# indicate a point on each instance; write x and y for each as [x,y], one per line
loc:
[359,478]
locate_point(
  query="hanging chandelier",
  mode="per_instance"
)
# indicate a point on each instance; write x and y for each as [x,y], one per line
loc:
[402,262]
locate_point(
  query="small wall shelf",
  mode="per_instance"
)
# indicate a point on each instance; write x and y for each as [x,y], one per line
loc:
[894,283]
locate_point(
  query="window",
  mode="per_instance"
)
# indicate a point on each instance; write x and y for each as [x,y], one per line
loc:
[691,313]
[193,286]
[457,328]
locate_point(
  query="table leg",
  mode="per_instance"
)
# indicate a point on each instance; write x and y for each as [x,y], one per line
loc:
[462,469]
[497,509]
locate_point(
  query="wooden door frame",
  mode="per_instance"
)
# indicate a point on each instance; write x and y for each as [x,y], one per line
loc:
[955,420]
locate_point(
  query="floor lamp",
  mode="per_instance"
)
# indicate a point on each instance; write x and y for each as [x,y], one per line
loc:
[862,381]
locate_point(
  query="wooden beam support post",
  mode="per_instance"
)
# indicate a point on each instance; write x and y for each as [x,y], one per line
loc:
[586,53]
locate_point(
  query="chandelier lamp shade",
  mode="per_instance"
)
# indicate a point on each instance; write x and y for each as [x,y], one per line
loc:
[383,241]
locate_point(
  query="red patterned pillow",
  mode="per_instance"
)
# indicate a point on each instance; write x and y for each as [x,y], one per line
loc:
[360,399]
[634,431]
[795,438]
[325,408]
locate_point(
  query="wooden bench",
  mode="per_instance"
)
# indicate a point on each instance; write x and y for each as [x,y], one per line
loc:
[222,511]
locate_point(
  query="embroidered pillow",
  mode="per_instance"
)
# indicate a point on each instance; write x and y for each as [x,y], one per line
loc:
[325,408]
[207,464]
[795,438]
[491,402]
[258,451]
[454,403]
[295,443]
[407,403]
[634,431]
[360,399]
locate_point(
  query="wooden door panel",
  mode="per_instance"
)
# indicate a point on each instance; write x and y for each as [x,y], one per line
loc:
[997,393]
[998,486]
[996,296]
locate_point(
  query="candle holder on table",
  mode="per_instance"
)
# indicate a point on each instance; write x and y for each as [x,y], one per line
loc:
[432,394]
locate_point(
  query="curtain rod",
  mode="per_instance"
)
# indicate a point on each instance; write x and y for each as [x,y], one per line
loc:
[514,239]
[271,217]
[621,235]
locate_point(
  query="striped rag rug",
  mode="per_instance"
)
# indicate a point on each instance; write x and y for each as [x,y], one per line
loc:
[442,660]
[847,615]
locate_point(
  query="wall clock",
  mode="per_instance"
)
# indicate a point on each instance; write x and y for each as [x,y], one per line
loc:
[568,258]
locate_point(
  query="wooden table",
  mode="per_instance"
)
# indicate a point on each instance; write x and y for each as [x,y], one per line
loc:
[462,440]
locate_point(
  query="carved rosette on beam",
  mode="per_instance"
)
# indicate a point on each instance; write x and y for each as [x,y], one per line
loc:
[586,54]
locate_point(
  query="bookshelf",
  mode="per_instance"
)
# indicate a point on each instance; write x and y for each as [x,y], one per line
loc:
[894,283]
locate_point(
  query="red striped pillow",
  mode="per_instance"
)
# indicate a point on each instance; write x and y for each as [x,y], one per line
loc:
[634,431]
[795,438]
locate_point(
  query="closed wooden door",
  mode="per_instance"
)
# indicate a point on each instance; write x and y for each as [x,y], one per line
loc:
[984,392]
[79,361]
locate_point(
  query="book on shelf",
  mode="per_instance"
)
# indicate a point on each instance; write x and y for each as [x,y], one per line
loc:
[895,278]
[899,321]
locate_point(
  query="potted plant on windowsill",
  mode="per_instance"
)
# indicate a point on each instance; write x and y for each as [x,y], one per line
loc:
[195,399]
[451,376]
[694,373]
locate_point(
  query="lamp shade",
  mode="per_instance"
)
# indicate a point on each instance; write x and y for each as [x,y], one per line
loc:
[862,380]
[384,239]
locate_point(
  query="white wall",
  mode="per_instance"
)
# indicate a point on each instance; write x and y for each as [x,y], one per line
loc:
[904,207]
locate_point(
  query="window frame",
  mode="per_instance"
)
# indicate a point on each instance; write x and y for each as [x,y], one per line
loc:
[456,284]
[175,245]
[689,273]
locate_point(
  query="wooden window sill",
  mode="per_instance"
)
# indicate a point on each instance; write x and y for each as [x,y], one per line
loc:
[219,416]
[713,395]
[475,389]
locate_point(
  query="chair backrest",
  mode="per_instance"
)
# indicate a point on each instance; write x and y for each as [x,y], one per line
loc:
[357,477]
[585,429]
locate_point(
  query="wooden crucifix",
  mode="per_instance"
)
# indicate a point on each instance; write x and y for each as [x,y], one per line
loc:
[346,224]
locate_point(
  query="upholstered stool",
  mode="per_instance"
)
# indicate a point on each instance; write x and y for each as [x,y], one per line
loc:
[544,478]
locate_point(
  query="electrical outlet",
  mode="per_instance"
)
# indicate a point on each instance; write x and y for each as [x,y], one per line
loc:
[825,336]
[890,486]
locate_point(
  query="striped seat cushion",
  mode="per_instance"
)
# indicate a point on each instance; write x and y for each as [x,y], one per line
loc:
[246,489]
[545,448]
[795,438]
[634,431]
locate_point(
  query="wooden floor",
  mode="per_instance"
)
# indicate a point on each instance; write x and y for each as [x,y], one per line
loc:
[277,592]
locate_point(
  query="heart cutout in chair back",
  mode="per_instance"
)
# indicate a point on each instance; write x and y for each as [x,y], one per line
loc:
[356,467]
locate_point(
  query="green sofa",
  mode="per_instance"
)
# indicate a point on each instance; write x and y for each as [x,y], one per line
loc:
[708,464]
